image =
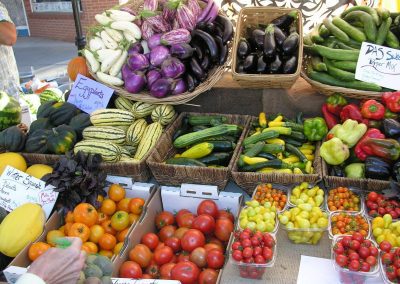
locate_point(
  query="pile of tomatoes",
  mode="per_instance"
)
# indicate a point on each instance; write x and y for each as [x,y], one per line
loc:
[266,193]
[251,248]
[102,231]
[391,261]
[342,198]
[355,253]
[378,205]
[187,247]
[346,223]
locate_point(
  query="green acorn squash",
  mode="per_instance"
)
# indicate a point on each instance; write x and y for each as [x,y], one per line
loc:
[79,123]
[12,139]
[45,109]
[40,123]
[61,139]
[62,113]
[37,141]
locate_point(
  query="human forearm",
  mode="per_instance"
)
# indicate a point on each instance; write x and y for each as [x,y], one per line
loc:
[8,33]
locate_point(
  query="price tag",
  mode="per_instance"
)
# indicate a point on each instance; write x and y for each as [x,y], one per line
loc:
[17,188]
[380,65]
[89,95]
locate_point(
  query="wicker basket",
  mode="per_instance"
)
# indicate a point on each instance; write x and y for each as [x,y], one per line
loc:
[251,16]
[249,180]
[176,175]
[214,75]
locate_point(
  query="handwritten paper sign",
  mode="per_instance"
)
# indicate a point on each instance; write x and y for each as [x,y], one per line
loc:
[17,188]
[89,95]
[380,65]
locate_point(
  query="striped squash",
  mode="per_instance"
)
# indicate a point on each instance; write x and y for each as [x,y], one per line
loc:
[123,103]
[108,133]
[110,152]
[111,117]
[125,152]
[135,132]
[131,149]
[140,109]
[151,135]
[163,114]
[129,160]
[122,127]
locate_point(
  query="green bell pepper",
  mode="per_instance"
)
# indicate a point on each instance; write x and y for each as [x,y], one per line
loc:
[315,129]
[334,151]
[350,132]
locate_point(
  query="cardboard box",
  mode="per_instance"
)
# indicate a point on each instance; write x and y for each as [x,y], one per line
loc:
[138,189]
[173,199]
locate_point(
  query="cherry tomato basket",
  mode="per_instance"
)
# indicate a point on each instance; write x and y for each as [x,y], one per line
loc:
[253,270]
[284,188]
[357,192]
[336,213]
[273,232]
[348,276]
[382,268]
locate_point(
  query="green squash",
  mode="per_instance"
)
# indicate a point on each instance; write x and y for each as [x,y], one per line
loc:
[61,139]
[12,139]
[37,141]
[62,113]
[45,109]
[79,123]
[40,123]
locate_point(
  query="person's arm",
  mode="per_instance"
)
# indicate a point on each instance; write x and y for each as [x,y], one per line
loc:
[8,32]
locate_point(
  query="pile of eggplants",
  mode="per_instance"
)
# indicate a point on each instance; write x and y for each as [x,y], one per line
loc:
[270,49]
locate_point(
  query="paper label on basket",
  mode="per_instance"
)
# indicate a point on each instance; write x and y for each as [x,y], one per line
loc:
[89,95]
[17,188]
[380,65]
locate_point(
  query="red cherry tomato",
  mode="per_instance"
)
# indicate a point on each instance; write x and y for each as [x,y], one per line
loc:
[267,253]
[237,255]
[373,251]
[363,252]
[354,256]
[385,246]
[387,258]
[365,267]
[247,252]
[371,260]
[372,196]
[354,265]
[341,260]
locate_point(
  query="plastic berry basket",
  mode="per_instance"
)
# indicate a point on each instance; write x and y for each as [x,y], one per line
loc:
[382,269]
[284,188]
[273,232]
[356,191]
[335,213]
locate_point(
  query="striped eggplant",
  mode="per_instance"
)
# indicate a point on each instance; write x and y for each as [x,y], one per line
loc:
[185,17]
[194,7]
[175,37]
[175,24]
[150,5]
[209,13]
[158,24]
[147,30]
[168,14]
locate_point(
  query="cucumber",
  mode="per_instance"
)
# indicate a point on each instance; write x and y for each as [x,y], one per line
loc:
[184,162]
[266,155]
[383,31]
[344,65]
[324,32]
[260,137]
[342,45]
[367,9]
[351,31]
[338,73]
[317,64]
[337,54]
[204,119]
[215,122]
[329,42]
[392,40]
[370,28]
[315,36]
[217,158]
[383,13]
[292,149]
[334,30]
[307,40]
[276,164]
[223,146]
[254,149]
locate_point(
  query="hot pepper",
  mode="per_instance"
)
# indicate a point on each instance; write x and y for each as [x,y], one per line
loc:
[389,114]
[315,128]
[384,148]
[335,103]
[330,119]
[372,109]
[361,150]
[351,111]
[350,132]
[392,101]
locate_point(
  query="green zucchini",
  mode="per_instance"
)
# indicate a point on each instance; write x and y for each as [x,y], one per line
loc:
[205,119]
[223,146]
[292,141]
[273,148]
[297,135]
[198,128]
[183,129]
[266,155]
[184,162]
[255,149]
[216,158]
[383,13]
[317,64]
[260,137]
[383,31]
[344,65]
[215,122]
[292,149]
[276,164]
[351,31]
[220,138]
[338,73]
[334,30]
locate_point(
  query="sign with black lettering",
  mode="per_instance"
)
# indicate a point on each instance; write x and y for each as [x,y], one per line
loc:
[380,65]
[89,95]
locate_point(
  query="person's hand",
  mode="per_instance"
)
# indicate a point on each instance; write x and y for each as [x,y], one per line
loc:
[60,265]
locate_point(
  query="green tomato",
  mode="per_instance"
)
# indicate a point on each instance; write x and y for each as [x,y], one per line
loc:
[283,219]
[251,225]
[290,225]
[267,204]
[257,209]
[269,227]
[251,212]
[261,226]
[243,223]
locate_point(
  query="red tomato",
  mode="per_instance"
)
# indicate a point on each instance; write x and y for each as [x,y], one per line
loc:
[355,245]
[396,262]
[381,211]
[130,269]
[223,229]
[371,260]
[208,276]
[366,243]
[198,257]
[385,246]
[387,258]
[354,256]
[141,254]
[391,273]
[215,259]
[180,232]
[226,214]
[178,216]
[247,252]
[257,251]
[267,253]
[165,270]
[164,218]
[208,207]
[192,239]
[183,256]
[346,241]
[211,246]
[358,237]
[186,220]
[373,251]
[259,259]
[372,196]
[153,270]
[398,272]
[338,248]
[341,260]
[166,232]
[163,255]
[205,223]
[354,265]
[151,240]
[186,272]
[393,214]
[237,255]
[214,240]
[363,252]
[173,243]
[365,267]
[146,276]
[268,240]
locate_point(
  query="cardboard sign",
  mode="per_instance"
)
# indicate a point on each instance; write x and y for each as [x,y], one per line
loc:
[89,95]
[380,65]
[17,188]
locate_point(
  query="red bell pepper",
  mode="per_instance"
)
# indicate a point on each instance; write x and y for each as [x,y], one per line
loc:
[385,148]
[361,150]
[335,103]
[372,109]
[351,111]
[392,100]
[330,119]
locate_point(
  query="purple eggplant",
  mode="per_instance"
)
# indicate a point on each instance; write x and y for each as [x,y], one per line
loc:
[158,54]
[222,50]
[138,62]
[269,42]
[258,36]
[208,41]
[279,35]
[291,43]
[190,82]
[196,69]
[194,7]
[135,48]
[250,63]
[158,24]
[135,82]
[172,68]
[198,50]
[125,71]
[152,76]
[243,48]
[181,50]
[147,30]
[206,62]
[290,66]
[286,20]
[154,41]
[185,18]
[150,5]
[276,66]
[261,65]
[162,88]
[227,27]
[175,37]
[180,87]
[168,14]
[209,13]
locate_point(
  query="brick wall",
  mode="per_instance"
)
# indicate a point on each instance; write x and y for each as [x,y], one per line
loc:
[61,26]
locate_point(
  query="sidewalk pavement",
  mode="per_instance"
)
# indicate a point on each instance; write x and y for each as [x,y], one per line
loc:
[47,57]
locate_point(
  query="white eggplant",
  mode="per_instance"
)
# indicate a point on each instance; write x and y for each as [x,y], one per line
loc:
[110,61]
[114,34]
[96,43]
[116,68]
[102,19]
[145,46]
[94,64]
[129,37]
[118,15]
[108,41]
[112,80]
[127,26]
[103,54]
[119,75]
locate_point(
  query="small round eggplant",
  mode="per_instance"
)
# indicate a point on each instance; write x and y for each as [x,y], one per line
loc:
[250,63]
[244,48]
[258,36]
[290,66]
[290,45]
[269,42]
[239,68]
[253,44]
[261,65]
[279,35]
[276,66]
